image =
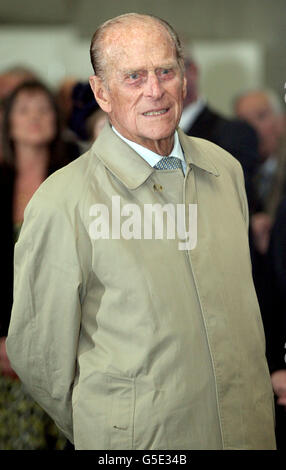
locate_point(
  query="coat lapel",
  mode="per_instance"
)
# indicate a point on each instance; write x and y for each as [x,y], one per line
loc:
[131,169]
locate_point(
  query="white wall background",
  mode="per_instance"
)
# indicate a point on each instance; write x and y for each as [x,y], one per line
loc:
[55,53]
[227,68]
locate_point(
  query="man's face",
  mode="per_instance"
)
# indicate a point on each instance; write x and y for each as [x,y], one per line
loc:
[145,88]
[258,111]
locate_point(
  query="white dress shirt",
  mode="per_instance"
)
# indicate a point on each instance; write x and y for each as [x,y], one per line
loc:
[153,158]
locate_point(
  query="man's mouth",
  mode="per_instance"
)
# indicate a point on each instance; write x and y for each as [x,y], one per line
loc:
[157,112]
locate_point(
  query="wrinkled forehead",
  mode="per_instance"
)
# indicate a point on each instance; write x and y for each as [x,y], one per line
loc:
[136,43]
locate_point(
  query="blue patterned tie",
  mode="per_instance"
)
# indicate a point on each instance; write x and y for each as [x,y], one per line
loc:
[169,163]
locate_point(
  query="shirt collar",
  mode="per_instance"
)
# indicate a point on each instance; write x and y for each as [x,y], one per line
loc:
[190,113]
[151,157]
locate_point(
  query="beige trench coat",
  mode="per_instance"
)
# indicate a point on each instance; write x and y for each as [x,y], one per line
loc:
[135,344]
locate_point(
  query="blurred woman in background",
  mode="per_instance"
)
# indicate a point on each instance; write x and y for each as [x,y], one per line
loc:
[32,150]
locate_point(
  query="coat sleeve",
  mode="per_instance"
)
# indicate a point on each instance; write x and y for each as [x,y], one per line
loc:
[45,323]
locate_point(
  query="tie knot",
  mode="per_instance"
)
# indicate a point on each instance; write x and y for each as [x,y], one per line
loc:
[168,163]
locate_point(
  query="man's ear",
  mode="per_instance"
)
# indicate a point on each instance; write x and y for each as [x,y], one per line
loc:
[101,93]
[184,87]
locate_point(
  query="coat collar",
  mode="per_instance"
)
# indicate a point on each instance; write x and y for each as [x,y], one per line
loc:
[130,168]
[195,155]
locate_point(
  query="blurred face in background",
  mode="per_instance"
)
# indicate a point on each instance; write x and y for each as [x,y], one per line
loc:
[32,119]
[259,112]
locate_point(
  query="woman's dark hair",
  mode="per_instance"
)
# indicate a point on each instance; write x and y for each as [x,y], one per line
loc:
[55,147]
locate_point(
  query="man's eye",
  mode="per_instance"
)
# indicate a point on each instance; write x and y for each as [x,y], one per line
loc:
[166,73]
[134,76]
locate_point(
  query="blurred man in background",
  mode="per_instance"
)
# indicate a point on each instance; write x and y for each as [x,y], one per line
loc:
[199,120]
[263,110]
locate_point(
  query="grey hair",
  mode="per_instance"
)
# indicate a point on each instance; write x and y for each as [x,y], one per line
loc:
[97,56]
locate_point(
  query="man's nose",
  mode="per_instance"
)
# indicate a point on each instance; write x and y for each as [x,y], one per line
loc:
[153,87]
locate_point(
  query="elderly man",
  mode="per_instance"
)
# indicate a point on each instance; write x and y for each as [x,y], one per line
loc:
[263,110]
[130,339]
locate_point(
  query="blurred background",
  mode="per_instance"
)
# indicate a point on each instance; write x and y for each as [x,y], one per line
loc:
[48,118]
[237,45]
